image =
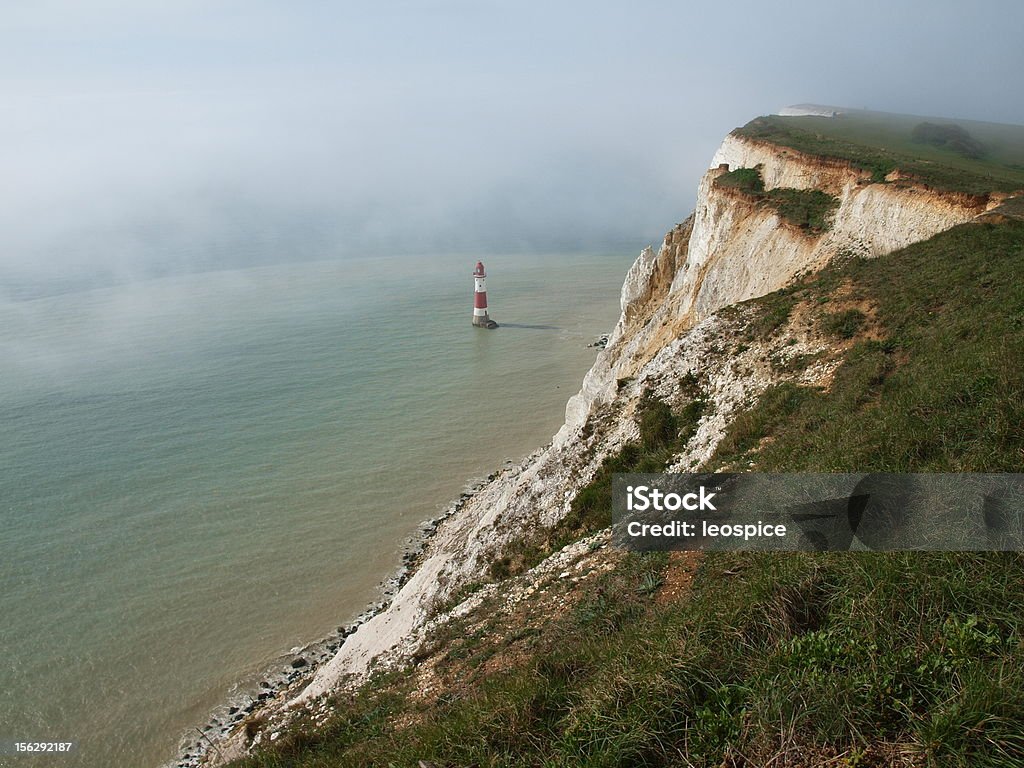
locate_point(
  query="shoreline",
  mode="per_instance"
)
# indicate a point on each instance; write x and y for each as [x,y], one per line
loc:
[282,680]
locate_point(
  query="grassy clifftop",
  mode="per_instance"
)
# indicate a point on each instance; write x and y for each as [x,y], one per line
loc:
[847,659]
[957,156]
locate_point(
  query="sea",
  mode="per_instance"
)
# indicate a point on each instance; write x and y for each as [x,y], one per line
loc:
[199,472]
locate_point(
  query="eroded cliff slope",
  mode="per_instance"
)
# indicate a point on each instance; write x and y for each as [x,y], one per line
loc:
[737,245]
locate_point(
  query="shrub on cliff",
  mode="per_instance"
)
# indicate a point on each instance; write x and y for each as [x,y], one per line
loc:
[658,427]
[744,179]
[808,209]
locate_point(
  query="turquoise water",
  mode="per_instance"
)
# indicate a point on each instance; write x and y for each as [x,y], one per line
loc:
[199,472]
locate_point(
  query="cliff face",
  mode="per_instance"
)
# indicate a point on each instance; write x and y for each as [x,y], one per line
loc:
[731,249]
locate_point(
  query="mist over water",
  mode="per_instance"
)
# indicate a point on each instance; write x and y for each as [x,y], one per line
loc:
[205,470]
[144,138]
[225,399]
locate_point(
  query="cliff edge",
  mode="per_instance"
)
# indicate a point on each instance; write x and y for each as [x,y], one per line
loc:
[688,340]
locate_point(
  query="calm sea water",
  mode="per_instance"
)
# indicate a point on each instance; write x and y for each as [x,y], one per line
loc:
[198,473]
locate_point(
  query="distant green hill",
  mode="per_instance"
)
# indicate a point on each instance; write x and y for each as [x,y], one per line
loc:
[990,158]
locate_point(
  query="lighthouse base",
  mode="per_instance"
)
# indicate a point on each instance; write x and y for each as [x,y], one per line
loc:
[483,321]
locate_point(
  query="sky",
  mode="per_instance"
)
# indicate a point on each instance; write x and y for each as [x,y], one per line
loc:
[139,136]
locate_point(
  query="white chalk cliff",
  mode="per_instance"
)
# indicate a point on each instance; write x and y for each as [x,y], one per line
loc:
[731,249]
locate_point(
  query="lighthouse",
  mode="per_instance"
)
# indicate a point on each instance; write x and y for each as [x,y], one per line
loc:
[480,317]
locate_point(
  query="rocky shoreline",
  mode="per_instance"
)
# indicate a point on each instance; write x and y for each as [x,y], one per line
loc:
[283,680]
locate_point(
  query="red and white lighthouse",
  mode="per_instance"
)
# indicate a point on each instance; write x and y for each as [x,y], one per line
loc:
[480,317]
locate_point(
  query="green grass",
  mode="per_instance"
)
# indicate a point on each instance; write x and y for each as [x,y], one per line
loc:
[744,179]
[807,208]
[844,324]
[765,640]
[772,314]
[879,143]
[942,392]
[859,657]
